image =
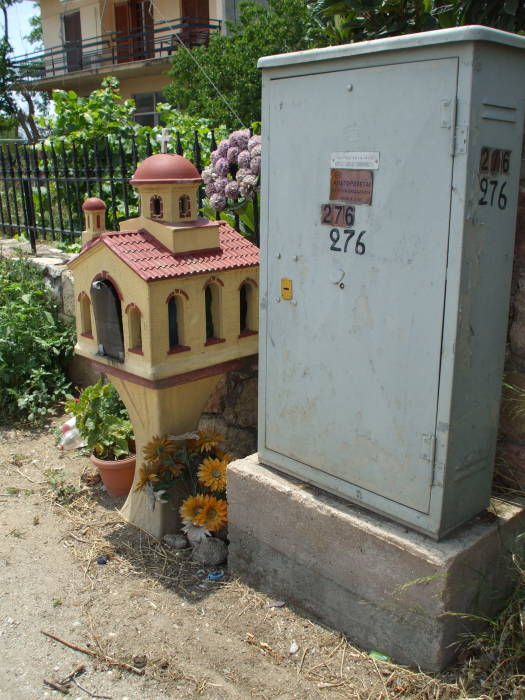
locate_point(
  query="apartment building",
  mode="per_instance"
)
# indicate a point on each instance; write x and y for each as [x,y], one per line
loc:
[86,40]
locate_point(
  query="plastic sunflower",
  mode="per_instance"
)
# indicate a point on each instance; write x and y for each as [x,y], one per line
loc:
[156,451]
[212,473]
[214,514]
[175,469]
[206,442]
[191,509]
[223,456]
[146,477]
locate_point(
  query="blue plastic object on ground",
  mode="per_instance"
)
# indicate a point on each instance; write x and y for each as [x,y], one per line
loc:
[215,576]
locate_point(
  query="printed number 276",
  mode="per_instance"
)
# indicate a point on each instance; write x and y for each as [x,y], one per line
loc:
[344,240]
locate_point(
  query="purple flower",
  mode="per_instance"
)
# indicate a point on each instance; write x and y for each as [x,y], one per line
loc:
[207,175]
[220,185]
[210,189]
[232,190]
[244,159]
[222,167]
[232,154]
[214,157]
[240,138]
[218,202]
[255,165]
[222,148]
[241,174]
[254,141]
[256,150]
[248,185]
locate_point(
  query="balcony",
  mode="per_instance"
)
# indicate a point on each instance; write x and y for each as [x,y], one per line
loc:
[121,54]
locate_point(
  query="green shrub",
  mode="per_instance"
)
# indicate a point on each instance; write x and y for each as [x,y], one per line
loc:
[35,344]
[103,421]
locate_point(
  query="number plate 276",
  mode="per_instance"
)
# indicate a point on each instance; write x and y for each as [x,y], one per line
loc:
[337,214]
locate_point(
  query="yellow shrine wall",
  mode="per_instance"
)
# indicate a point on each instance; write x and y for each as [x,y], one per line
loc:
[157,361]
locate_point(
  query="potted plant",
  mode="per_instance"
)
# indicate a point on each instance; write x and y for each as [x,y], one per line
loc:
[104,425]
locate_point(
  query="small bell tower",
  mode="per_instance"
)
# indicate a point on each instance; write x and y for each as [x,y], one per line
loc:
[95,218]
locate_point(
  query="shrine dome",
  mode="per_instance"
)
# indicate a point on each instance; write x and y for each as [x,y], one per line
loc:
[165,168]
[93,204]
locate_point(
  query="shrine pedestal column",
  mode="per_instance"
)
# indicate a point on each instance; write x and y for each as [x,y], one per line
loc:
[169,411]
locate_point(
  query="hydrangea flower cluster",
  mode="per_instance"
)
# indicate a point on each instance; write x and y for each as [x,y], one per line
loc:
[234,170]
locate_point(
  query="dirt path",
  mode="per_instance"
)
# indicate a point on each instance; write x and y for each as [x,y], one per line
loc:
[199,638]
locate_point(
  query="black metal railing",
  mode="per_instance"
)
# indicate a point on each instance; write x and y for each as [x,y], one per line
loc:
[42,187]
[159,40]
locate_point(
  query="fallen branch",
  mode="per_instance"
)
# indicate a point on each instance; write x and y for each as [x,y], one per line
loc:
[56,686]
[96,654]
[92,695]
[29,478]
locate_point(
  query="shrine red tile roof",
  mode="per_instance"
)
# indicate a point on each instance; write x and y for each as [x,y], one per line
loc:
[151,260]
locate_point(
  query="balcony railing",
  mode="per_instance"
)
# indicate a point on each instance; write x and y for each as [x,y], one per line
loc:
[158,41]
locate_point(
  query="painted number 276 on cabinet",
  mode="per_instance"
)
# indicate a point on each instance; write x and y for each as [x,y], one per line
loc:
[340,241]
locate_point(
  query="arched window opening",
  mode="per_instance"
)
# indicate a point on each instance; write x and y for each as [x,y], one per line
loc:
[243,307]
[212,314]
[155,205]
[135,330]
[208,299]
[108,319]
[184,207]
[247,309]
[98,220]
[85,316]
[173,323]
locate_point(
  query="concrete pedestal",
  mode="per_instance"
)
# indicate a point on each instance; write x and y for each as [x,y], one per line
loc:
[385,587]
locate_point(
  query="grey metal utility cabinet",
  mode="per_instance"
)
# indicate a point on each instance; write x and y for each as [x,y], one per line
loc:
[390,183]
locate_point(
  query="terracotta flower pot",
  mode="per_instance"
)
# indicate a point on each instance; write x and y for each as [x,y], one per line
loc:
[116,475]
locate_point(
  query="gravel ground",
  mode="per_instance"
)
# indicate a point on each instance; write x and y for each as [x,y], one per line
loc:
[149,607]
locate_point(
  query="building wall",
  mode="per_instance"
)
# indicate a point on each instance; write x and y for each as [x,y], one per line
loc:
[194,320]
[52,11]
[98,17]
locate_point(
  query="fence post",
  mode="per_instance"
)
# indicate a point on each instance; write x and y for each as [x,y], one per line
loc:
[29,213]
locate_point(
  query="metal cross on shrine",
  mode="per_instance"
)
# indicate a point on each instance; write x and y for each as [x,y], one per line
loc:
[164,138]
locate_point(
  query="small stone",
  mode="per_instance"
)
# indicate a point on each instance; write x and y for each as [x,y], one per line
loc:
[176,541]
[140,661]
[210,552]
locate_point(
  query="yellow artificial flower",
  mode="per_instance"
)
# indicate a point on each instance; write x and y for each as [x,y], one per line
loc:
[158,449]
[175,469]
[222,455]
[212,473]
[191,509]
[214,514]
[146,477]
[205,442]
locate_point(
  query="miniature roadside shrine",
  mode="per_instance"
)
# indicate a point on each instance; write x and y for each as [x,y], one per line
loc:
[164,307]
[390,184]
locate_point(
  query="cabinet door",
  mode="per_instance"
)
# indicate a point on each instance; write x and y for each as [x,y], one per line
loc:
[353,358]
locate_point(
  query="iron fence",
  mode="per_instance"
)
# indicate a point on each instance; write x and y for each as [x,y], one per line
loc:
[42,187]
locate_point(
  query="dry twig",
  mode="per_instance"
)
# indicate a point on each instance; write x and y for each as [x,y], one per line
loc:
[96,654]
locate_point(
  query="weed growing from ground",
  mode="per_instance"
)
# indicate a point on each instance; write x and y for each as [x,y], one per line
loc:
[35,344]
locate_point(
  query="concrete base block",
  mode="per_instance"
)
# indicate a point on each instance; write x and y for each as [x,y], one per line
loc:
[385,587]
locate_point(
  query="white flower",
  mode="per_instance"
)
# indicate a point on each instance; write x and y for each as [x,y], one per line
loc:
[195,533]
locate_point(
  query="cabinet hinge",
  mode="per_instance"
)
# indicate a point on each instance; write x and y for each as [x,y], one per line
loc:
[460,140]
[428,448]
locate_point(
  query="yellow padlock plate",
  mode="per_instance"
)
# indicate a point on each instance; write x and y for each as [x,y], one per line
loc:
[286,288]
